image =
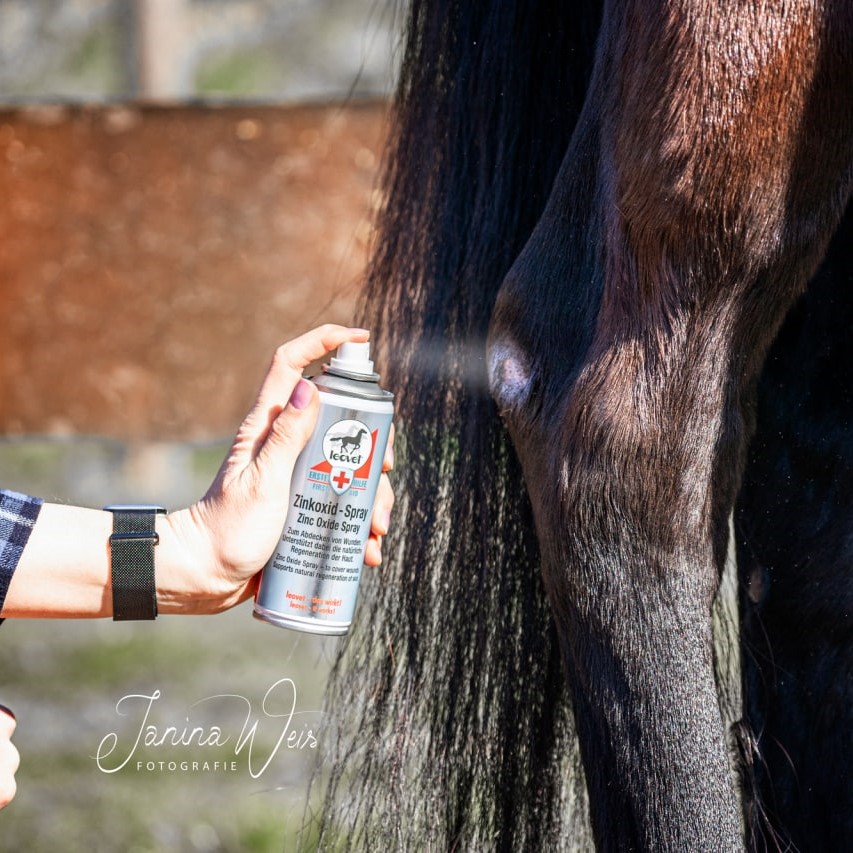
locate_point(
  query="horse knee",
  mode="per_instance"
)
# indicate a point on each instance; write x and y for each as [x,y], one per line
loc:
[628,476]
[510,374]
[513,348]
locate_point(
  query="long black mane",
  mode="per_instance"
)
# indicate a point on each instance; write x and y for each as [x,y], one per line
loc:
[463,735]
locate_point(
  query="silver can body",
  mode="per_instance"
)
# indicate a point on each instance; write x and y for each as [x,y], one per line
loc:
[311,581]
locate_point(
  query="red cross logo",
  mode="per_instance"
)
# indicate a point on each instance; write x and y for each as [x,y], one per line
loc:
[341,481]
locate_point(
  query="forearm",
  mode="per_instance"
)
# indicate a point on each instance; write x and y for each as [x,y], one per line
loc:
[64,570]
[209,555]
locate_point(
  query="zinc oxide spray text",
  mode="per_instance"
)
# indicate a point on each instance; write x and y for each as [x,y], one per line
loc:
[311,581]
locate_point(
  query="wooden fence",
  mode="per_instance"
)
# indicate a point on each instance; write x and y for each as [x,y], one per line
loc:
[151,258]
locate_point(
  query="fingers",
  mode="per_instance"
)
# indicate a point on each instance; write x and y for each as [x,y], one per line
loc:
[388,459]
[380,521]
[384,503]
[292,358]
[291,429]
[301,351]
[9,757]
[280,383]
[373,552]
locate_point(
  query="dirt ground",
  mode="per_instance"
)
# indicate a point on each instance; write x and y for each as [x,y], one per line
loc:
[152,257]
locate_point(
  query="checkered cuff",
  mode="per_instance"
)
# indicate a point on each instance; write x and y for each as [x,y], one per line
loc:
[17,516]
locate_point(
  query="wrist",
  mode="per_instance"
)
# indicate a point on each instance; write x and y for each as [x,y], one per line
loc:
[190,579]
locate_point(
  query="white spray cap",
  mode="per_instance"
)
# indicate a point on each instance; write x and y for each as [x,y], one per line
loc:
[353,358]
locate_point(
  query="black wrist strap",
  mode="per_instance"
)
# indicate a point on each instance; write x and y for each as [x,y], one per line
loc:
[132,560]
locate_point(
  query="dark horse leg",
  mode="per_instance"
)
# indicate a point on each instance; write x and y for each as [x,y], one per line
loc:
[795,544]
[707,172]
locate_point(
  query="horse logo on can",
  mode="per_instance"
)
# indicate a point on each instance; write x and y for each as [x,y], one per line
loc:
[346,446]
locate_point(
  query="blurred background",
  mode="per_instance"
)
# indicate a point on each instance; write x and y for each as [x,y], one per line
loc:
[185,184]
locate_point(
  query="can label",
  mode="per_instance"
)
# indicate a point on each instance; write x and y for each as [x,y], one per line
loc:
[311,581]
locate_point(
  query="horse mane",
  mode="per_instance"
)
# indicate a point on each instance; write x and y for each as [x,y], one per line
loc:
[460,734]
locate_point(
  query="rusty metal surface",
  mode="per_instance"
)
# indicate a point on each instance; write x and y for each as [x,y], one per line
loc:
[151,257]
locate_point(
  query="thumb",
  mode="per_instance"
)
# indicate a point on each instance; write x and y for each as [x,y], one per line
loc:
[291,429]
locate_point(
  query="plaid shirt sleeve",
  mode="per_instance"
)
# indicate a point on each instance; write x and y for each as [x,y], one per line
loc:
[18,513]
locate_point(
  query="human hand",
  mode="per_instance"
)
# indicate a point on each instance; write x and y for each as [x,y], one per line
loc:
[9,757]
[381,519]
[231,532]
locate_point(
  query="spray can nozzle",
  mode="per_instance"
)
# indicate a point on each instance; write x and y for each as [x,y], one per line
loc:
[352,359]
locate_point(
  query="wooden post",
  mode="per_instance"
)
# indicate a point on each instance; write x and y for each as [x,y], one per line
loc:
[161,28]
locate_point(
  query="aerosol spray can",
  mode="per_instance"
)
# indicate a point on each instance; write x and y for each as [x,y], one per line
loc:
[311,581]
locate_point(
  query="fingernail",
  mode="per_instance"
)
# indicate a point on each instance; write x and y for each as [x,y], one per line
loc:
[301,396]
[385,521]
[359,331]
[8,711]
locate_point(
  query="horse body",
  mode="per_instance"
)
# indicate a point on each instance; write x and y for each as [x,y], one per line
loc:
[630,296]
[794,535]
[701,220]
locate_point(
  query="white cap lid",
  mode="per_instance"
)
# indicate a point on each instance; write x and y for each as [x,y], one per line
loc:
[353,358]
